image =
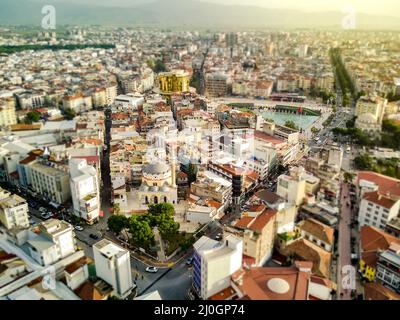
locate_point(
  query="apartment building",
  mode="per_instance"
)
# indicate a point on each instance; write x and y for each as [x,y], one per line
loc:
[216,85]
[54,240]
[258,235]
[84,190]
[214,263]
[113,265]
[388,267]
[50,180]
[294,187]
[14,212]
[377,209]
[7,112]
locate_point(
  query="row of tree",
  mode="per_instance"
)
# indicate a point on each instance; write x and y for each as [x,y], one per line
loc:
[389,137]
[12,49]
[389,167]
[343,79]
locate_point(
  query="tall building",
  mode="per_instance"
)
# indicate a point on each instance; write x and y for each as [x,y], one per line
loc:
[258,235]
[7,112]
[214,263]
[388,267]
[51,181]
[84,183]
[113,265]
[174,82]
[14,212]
[377,209]
[294,187]
[216,85]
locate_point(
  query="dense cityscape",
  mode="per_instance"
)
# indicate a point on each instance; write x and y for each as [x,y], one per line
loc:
[156,164]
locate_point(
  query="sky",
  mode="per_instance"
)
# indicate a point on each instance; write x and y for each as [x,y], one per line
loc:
[378,7]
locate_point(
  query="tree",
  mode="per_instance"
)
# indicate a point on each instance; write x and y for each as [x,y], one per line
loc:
[363,162]
[32,116]
[192,174]
[156,209]
[69,114]
[141,232]
[117,223]
[291,124]
[315,130]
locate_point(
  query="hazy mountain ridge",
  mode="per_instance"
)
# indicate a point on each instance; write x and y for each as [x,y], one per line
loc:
[181,13]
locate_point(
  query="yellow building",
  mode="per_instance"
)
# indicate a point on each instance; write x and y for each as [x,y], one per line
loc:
[368,271]
[173,82]
[7,112]
[371,105]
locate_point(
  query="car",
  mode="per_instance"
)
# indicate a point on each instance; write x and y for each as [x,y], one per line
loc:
[189,261]
[152,269]
[94,236]
[78,228]
[42,209]
[46,215]
[218,236]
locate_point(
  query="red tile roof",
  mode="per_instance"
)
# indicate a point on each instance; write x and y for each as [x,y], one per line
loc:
[387,185]
[379,199]
[372,240]
[268,138]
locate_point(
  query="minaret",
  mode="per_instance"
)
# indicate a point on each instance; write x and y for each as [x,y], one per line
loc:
[173,168]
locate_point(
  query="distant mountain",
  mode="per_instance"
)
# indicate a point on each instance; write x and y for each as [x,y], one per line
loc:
[181,13]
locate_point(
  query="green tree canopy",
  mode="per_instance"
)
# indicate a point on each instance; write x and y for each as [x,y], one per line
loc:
[32,116]
[140,230]
[291,124]
[117,223]
[69,114]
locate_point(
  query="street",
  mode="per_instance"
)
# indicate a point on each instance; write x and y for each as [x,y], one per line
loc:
[344,244]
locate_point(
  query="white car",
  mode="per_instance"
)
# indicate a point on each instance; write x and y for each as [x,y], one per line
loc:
[78,228]
[152,269]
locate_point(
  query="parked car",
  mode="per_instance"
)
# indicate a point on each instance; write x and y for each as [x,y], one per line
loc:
[218,236]
[42,209]
[78,228]
[152,269]
[189,261]
[94,236]
[46,215]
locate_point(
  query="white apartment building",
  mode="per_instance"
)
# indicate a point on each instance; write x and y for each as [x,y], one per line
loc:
[7,113]
[54,241]
[128,102]
[377,209]
[51,181]
[78,103]
[84,184]
[14,212]
[113,265]
[294,187]
[213,264]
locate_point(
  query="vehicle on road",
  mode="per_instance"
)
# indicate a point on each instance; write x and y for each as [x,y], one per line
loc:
[152,269]
[46,215]
[218,236]
[78,228]
[94,236]
[42,209]
[189,261]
